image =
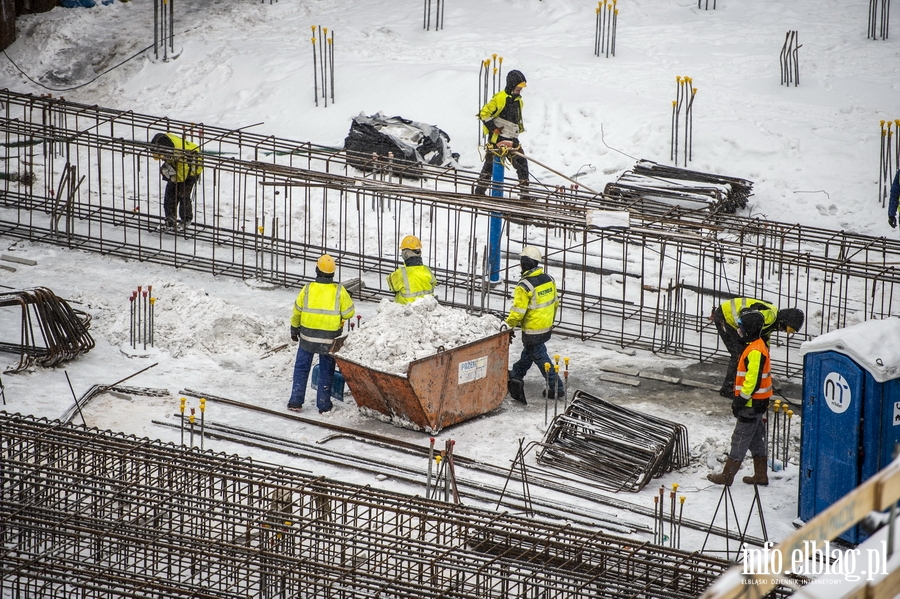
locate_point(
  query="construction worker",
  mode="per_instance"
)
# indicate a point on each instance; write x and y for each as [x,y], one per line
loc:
[412,280]
[752,390]
[501,118]
[535,301]
[894,203]
[181,168]
[321,308]
[725,317]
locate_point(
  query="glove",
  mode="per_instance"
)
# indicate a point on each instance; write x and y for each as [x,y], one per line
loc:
[167,171]
[295,333]
[737,404]
[892,221]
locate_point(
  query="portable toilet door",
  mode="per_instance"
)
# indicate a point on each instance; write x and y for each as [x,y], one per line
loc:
[833,433]
[851,412]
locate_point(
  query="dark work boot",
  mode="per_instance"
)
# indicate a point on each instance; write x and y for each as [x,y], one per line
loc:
[760,472]
[523,191]
[481,186]
[726,477]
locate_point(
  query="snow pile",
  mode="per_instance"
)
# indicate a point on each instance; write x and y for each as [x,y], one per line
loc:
[402,333]
[187,318]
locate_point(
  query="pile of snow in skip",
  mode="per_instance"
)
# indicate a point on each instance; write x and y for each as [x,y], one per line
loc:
[402,333]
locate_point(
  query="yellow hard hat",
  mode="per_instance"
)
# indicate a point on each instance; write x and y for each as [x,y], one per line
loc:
[326,264]
[410,242]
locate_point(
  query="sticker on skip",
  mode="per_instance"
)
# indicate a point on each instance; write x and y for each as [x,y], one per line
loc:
[472,370]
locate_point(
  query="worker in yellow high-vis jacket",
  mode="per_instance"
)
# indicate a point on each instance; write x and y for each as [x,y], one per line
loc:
[318,318]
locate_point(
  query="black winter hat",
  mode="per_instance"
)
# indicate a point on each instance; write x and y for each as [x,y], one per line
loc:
[790,317]
[750,322]
[513,78]
[161,139]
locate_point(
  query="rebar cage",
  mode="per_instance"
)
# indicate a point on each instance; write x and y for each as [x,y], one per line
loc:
[83,177]
[88,513]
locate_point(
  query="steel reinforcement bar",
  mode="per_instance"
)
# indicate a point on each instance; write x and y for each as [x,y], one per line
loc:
[267,207]
[91,513]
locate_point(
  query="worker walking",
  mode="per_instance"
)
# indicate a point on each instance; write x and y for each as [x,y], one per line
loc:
[725,317]
[412,280]
[752,390]
[535,300]
[181,168]
[321,308]
[502,120]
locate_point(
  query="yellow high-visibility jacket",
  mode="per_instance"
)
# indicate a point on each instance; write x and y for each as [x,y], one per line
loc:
[409,283]
[732,309]
[320,311]
[493,109]
[185,159]
[535,300]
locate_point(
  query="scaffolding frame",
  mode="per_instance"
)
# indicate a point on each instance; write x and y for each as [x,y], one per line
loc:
[267,207]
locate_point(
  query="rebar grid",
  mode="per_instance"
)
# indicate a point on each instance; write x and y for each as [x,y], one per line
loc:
[93,513]
[267,207]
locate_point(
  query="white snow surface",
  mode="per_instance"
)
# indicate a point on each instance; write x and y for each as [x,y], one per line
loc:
[401,333]
[812,152]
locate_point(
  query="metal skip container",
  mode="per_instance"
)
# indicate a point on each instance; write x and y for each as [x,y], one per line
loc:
[439,390]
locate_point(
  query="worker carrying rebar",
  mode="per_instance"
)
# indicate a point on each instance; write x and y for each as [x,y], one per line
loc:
[181,168]
[725,317]
[414,279]
[502,121]
[753,388]
[318,318]
[894,202]
[535,300]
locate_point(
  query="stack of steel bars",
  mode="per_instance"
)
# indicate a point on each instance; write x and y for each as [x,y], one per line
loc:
[682,187]
[618,448]
[50,330]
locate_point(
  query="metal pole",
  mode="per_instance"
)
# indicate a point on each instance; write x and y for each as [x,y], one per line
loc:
[496,224]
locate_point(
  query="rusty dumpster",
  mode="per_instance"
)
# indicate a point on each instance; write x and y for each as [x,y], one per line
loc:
[439,390]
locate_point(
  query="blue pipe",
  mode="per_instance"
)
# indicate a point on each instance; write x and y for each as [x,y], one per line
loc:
[496,223]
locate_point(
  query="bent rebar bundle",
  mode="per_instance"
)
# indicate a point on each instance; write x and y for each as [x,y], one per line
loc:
[649,180]
[63,331]
[100,514]
[618,448]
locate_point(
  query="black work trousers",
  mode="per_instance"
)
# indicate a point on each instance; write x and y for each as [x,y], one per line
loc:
[177,200]
[733,343]
[520,164]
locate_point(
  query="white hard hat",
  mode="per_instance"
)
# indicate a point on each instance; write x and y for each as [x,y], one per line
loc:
[529,251]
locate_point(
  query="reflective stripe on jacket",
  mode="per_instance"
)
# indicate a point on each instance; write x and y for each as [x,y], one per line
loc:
[187,160]
[732,309]
[495,107]
[754,381]
[320,312]
[534,303]
[409,283]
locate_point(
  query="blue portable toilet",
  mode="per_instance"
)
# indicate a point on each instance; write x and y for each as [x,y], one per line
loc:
[851,412]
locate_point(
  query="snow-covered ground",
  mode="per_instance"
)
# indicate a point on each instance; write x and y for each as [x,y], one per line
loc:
[812,152]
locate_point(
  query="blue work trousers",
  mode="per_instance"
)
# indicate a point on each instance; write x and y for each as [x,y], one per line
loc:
[537,355]
[302,366]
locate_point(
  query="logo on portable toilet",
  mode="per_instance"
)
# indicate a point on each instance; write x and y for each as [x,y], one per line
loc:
[897,413]
[836,392]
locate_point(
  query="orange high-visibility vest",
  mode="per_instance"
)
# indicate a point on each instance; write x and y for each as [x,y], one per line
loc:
[754,371]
